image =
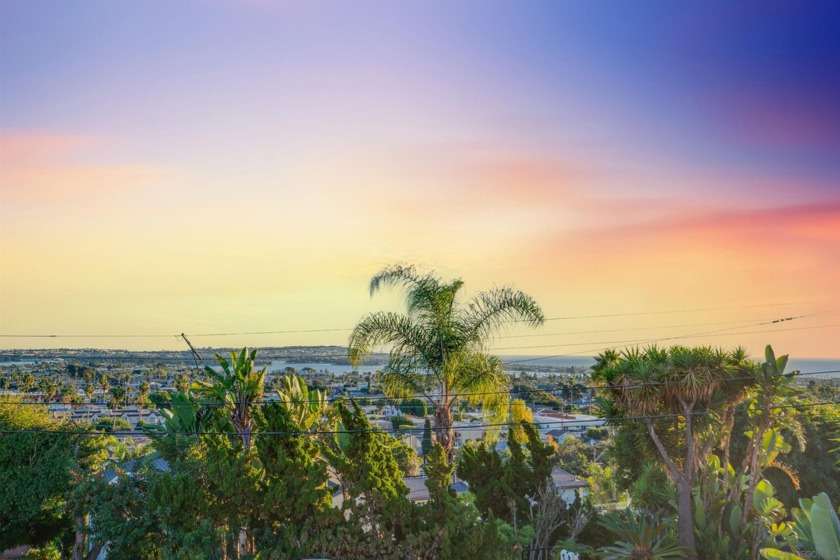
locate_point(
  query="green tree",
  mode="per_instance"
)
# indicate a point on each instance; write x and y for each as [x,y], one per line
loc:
[32,513]
[362,461]
[414,407]
[49,388]
[182,383]
[503,486]
[110,425]
[306,407]
[293,484]
[688,383]
[811,464]
[406,457]
[41,461]
[160,399]
[427,444]
[573,456]
[234,391]
[519,412]
[768,412]
[182,422]
[399,421]
[124,521]
[118,396]
[27,383]
[437,347]
[439,474]
[143,393]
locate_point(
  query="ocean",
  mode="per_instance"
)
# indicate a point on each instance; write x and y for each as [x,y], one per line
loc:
[821,368]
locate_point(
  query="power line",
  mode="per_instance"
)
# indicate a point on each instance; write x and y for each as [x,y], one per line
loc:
[625,329]
[695,335]
[297,331]
[610,345]
[561,422]
[509,392]
[596,331]
[695,310]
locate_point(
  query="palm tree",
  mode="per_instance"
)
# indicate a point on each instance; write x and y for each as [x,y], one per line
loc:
[438,348]
[28,383]
[235,390]
[104,383]
[305,407]
[143,393]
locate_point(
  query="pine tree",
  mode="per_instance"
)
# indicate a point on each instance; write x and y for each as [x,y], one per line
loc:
[427,443]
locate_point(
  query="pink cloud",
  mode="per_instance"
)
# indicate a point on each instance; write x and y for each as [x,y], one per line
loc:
[19,147]
[44,168]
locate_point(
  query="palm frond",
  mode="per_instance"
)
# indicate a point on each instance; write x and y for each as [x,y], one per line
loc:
[385,328]
[395,275]
[489,311]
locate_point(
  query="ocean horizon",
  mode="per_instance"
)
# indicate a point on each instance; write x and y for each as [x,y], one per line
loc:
[816,368]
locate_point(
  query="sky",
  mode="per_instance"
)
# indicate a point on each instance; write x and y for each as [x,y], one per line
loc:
[645,170]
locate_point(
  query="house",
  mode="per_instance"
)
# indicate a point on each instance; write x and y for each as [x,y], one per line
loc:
[390,410]
[548,421]
[418,492]
[568,486]
[112,474]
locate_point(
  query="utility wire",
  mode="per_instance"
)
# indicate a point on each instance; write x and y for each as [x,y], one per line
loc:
[717,332]
[295,331]
[561,422]
[509,392]
[695,335]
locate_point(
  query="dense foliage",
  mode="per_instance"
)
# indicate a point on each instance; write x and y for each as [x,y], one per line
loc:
[301,477]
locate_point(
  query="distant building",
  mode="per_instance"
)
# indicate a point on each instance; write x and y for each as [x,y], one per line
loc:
[568,485]
[418,492]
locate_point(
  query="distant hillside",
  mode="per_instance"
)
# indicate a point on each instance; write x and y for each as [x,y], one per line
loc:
[295,354]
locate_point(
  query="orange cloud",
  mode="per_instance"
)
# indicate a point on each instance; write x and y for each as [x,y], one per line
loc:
[730,255]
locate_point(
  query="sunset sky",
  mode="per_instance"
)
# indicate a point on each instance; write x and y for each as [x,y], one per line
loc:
[239,167]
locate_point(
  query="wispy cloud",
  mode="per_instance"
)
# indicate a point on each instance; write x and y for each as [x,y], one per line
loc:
[44,169]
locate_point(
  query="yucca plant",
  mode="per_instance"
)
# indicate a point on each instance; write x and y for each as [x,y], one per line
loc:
[640,537]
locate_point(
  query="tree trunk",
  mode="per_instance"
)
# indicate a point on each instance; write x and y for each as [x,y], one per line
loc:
[682,479]
[755,473]
[728,423]
[94,552]
[81,539]
[445,431]
[685,518]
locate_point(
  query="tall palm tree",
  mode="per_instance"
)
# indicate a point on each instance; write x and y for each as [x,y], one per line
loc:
[438,348]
